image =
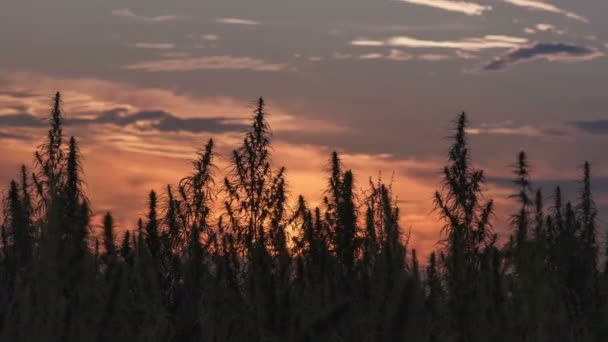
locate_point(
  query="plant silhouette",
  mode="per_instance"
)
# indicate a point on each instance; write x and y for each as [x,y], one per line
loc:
[231,260]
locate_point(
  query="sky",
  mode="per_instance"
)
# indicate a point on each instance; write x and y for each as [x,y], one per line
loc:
[147,83]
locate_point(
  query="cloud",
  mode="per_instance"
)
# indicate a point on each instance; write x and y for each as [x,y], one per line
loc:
[203,36]
[468,8]
[372,56]
[546,7]
[465,55]
[21,120]
[237,21]
[155,46]
[336,55]
[82,95]
[128,13]
[197,125]
[160,120]
[431,57]
[469,44]
[87,98]
[593,126]
[528,131]
[143,120]
[118,116]
[544,28]
[394,55]
[20,94]
[509,128]
[398,55]
[367,42]
[206,63]
[560,52]
[175,54]
[210,37]
[429,27]
[10,135]
[204,41]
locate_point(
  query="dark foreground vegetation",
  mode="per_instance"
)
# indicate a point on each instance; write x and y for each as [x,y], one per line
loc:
[228,260]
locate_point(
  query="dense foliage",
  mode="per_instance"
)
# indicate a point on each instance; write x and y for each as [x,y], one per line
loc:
[229,260]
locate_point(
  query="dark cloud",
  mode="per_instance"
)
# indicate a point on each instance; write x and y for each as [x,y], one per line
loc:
[550,51]
[18,108]
[9,135]
[159,120]
[21,120]
[19,94]
[152,120]
[555,132]
[593,126]
[195,125]
[119,117]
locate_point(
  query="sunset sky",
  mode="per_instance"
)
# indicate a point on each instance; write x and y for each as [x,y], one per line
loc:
[146,83]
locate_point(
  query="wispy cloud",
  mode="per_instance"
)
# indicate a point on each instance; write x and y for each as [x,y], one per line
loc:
[523,131]
[509,128]
[465,55]
[544,28]
[398,55]
[433,57]
[560,52]
[372,56]
[171,54]
[470,44]
[155,46]
[238,21]
[210,37]
[129,13]
[206,63]
[338,55]
[367,42]
[546,7]
[468,8]
[549,28]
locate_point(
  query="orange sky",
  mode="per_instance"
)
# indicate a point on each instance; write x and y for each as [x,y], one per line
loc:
[124,160]
[122,164]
